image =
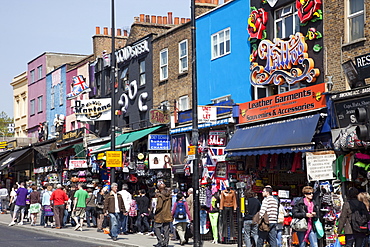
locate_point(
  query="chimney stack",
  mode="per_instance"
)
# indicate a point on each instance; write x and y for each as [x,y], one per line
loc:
[119,33]
[105,31]
[154,19]
[177,20]
[97,30]
[159,19]
[147,18]
[169,18]
[141,17]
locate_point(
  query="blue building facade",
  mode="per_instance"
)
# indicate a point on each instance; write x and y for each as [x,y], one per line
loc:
[56,97]
[223,53]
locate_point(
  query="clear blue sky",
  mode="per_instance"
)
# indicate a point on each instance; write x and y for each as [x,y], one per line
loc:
[29,28]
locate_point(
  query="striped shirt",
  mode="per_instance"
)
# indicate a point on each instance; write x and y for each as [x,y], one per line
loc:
[270,204]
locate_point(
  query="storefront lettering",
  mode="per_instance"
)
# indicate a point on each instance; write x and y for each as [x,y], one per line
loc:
[92,109]
[132,92]
[216,140]
[159,117]
[129,52]
[280,58]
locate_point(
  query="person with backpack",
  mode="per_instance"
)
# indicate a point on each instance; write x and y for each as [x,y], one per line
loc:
[181,216]
[307,208]
[353,219]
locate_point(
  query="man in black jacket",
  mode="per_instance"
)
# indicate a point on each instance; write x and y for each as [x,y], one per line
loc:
[252,206]
[143,211]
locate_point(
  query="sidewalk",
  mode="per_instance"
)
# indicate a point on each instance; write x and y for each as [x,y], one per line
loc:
[131,240]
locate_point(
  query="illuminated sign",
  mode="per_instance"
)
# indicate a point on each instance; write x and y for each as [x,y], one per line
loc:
[286,62]
[300,100]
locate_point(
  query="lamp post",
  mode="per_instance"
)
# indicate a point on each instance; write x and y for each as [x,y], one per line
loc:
[113,77]
[195,133]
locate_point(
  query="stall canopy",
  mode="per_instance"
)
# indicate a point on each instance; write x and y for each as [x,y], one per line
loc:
[14,156]
[126,139]
[287,136]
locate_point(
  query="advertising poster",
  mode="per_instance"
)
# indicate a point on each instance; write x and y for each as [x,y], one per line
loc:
[179,148]
[160,161]
[320,165]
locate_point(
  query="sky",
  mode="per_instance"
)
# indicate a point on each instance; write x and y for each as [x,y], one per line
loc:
[29,28]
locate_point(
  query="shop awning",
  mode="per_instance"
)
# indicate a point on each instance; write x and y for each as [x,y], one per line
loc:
[79,150]
[126,139]
[12,157]
[61,149]
[288,136]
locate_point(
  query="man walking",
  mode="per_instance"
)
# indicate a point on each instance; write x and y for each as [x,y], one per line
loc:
[114,206]
[79,210]
[163,216]
[127,198]
[58,199]
[20,204]
[143,212]
[269,205]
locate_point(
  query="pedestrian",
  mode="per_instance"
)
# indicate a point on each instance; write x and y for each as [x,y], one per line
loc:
[58,201]
[132,215]
[90,209]
[46,207]
[20,204]
[66,215]
[252,206]
[12,199]
[70,203]
[269,205]
[3,199]
[308,209]
[163,216]
[182,216]
[126,197]
[143,212]
[365,198]
[35,204]
[42,216]
[353,236]
[99,210]
[79,210]
[114,207]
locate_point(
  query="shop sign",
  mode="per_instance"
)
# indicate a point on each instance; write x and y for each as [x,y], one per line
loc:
[296,101]
[320,165]
[114,159]
[74,134]
[131,51]
[75,164]
[363,65]
[159,117]
[160,161]
[207,114]
[345,110]
[3,145]
[93,109]
[191,152]
[351,93]
[217,138]
[287,62]
[38,170]
[159,142]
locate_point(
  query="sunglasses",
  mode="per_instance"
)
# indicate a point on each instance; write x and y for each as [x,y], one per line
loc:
[309,193]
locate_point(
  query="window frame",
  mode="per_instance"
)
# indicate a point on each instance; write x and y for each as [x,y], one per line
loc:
[183,57]
[39,103]
[39,72]
[180,105]
[163,66]
[52,98]
[142,74]
[293,12]
[217,46]
[32,107]
[32,75]
[351,16]
[61,94]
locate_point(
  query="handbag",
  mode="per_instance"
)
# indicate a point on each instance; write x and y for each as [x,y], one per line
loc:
[48,211]
[262,222]
[299,225]
[319,229]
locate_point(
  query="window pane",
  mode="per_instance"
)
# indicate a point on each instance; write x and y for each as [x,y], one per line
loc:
[288,26]
[184,63]
[296,23]
[215,51]
[356,6]
[227,46]
[278,13]
[183,50]
[261,92]
[142,79]
[164,58]
[357,27]
[142,67]
[279,29]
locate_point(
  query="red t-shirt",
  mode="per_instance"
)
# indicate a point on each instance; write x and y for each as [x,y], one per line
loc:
[59,197]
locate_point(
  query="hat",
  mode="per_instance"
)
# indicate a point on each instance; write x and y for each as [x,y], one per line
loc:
[176,191]
[59,186]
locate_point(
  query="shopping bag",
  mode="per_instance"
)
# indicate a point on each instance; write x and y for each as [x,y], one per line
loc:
[299,225]
[319,229]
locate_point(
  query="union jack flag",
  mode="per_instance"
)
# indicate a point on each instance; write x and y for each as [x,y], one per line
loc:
[216,151]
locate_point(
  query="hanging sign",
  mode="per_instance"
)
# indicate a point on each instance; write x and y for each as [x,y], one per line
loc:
[93,110]
[114,159]
[159,142]
[75,164]
[320,165]
[217,138]
[157,116]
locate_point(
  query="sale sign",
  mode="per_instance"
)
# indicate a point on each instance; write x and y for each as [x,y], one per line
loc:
[300,100]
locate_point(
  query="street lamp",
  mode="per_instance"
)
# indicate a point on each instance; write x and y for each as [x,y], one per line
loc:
[113,77]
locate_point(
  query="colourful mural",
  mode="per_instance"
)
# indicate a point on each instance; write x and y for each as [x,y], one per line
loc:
[257,24]
[313,34]
[309,10]
[286,62]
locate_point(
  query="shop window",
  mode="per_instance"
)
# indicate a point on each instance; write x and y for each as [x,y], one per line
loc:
[183,103]
[142,72]
[183,56]
[32,76]
[52,98]
[61,94]
[286,21]
[286,87]
[164,64]
[355,19]
[39,72]
[220,43]
[32,107]
[39,104]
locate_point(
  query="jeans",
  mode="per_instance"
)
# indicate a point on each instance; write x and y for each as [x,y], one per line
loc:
[250,231]
[356,240]
[65,217]
[311,237]
[279,234]
[228,222]
[42,217]
[142,223]
[91,212]
[160,228]
[270,236]
[123,223]
[114,224]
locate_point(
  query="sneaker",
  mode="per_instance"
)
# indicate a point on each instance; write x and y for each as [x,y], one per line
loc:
[140,233]
[46,225]
[80,229]
[12,223]
[20,223]
[114,238]
[77,226]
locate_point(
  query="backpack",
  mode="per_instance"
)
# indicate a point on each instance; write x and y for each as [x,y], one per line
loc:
[359,222]
[180,212]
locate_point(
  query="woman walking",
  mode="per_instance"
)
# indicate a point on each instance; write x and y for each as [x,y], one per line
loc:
[307,208]
[99,210]
[35,205]
[181,216]
[48,210]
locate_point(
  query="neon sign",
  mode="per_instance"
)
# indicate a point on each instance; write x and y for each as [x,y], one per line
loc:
[280,58]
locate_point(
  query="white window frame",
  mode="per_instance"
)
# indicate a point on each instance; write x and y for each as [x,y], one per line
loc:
[267,88]
[32,75]
[52,98]
[61,94]
[285,14]
[142,76]
[39,72]
[39,104]
[183,103]
[32,106]
[350,17]
[18,110]
[24,110]
[221,40]
[163,66]
[183,57]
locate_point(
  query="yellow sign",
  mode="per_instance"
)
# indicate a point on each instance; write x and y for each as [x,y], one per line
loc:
[114,159]
[3,145]
[101,156]
[191,150]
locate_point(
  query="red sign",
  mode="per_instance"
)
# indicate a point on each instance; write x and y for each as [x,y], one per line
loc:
[217,138]
[300,100]
[159,116]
